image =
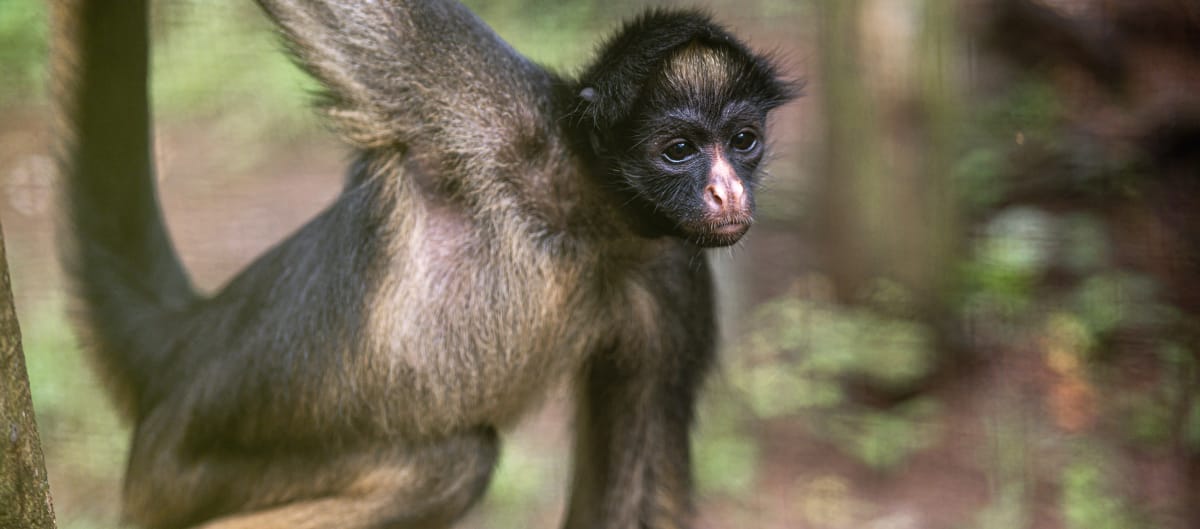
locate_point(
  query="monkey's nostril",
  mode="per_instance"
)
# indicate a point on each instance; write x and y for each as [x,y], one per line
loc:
[715,196]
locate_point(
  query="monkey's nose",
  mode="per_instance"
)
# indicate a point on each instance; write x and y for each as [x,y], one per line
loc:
[725,195]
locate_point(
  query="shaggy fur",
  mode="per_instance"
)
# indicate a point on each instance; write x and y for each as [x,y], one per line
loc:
[498,232]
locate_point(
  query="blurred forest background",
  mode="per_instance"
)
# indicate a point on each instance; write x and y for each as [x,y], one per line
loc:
[969,302]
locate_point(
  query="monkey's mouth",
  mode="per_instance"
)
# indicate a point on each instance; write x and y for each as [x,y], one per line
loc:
[715,234]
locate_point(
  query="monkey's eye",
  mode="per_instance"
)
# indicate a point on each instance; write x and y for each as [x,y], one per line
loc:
[679,152]
[743,141]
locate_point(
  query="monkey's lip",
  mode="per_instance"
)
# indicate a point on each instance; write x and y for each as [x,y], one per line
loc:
[721,234]
[731,228]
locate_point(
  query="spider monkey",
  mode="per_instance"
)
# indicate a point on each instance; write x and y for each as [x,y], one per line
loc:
[502,226]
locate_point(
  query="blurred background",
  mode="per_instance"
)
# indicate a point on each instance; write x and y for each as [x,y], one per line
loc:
[969,302]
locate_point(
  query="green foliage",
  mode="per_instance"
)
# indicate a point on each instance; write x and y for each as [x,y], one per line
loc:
[1029,115]
[22,51]
[1005,277]
[557,34]
[1146,418]
[1147,414]
[77,423]
[1005,458]
[824,343]
[1191,432]
[1084,245]
[726,458]
[1112,300]
[521,480]
[218,61]
[977,176]
[1088,500]
[883,440]
[1031,108]
[1008,259]
[799,352]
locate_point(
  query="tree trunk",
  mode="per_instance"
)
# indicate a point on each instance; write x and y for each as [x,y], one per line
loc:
[24,489]
[890,88]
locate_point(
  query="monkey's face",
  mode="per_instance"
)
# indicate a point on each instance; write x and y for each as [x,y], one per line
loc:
[683,134]
[692,169]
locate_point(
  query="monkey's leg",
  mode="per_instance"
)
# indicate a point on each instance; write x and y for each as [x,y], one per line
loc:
[425,486]
[632,465]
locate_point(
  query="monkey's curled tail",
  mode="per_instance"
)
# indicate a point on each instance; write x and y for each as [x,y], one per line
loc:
[127,279]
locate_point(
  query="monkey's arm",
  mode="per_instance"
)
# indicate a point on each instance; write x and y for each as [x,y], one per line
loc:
[421,77]
[632,461]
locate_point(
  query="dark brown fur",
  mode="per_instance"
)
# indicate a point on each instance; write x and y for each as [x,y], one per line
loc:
[356,374]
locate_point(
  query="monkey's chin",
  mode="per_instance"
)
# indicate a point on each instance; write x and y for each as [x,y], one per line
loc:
[720,235]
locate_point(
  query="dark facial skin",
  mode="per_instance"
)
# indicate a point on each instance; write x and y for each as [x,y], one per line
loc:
[676,114]
[690,171]
[699,169]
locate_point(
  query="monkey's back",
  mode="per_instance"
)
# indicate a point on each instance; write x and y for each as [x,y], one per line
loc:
[449,321]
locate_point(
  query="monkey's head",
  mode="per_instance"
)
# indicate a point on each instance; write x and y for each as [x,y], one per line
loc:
[674,109]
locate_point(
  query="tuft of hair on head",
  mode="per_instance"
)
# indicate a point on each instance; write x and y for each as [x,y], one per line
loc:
[687,51]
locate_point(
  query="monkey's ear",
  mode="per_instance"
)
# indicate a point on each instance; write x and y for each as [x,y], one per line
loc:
[426,77]
[590,106]
[603,111]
